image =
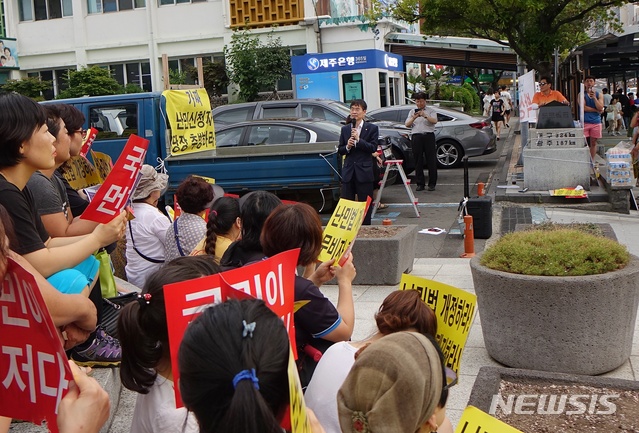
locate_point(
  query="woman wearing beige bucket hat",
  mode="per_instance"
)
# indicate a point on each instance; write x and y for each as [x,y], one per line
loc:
[396,385]
[145,248]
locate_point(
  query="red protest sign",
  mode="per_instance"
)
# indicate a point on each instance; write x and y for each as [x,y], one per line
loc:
[88,142]
[34,373]
[117,187]
[272,280]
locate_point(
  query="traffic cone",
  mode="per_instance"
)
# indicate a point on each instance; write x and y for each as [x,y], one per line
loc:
[480,189]
[469,237]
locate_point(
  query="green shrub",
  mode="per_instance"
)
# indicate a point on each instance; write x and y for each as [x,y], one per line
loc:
[461,94]
[560,252]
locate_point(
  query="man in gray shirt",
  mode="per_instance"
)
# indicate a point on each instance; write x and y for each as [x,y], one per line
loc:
[422,120]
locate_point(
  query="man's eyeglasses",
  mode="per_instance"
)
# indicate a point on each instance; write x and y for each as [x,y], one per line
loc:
[542,84]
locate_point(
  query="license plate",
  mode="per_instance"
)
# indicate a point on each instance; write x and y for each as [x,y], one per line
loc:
[388,153]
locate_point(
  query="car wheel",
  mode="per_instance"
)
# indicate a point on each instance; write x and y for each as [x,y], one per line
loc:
[449,154]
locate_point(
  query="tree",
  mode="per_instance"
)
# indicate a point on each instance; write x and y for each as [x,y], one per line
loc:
[439,77]
[215,78]
[133,88]
[93,81]
[242,60]
[275,64]
[29,86]
[532,28]
[254,66]
[177,77]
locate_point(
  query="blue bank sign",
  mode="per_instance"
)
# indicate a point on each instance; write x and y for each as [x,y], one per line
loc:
[345,61]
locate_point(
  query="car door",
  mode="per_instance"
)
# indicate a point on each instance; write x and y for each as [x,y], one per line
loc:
[230,137]
[277,134]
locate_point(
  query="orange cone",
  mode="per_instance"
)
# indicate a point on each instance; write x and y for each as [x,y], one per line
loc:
[469,237]
[480,189]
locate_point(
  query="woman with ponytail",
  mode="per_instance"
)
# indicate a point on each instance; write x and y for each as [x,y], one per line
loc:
[222,229]
[146,363]
[233,369]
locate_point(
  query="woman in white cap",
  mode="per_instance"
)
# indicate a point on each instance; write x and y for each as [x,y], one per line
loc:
[145,248]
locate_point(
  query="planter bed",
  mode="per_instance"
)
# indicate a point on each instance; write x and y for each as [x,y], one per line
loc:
[578,325]
[383,253]
[607,404]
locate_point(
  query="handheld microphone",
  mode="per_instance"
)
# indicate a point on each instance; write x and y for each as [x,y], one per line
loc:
[354,123]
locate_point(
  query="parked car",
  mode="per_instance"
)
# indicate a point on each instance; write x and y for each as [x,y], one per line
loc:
[318,109]
[256,132]
[457,133]
[324,109]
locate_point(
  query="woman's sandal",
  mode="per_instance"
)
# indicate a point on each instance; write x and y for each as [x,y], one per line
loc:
[382,206]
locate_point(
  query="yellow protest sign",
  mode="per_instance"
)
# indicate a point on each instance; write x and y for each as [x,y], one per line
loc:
[208,180]
[568,192]
[103,164]
[455,311]
[474,420]
[299,420]
[191,121]
[342,229]
[80,173]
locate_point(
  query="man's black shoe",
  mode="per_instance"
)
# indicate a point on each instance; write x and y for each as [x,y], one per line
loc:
[431,188]
[420,188]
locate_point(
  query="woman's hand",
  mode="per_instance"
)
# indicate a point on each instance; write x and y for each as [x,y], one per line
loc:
[112,231]
[347,272]
[73,335]
[86,406]
[324,272]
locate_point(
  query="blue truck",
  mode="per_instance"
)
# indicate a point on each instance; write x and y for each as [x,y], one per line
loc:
[296,171]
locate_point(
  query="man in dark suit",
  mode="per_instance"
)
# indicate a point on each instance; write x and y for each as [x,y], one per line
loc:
[358,144]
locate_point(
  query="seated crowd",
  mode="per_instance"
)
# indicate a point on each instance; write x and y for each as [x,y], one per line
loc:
[234,356]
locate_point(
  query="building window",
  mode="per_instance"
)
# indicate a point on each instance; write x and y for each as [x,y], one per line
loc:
[57,78]
[44,9]
[105,6]
[3,31]
[138,73]
[175,2]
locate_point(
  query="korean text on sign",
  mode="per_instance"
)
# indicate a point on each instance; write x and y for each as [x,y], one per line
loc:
[103,164]
[114,193]
[474,420]
[191,121]
[454,309]
[297,406]
[342,229]
[34,373]
[87,142]
[272,280]
[80,174]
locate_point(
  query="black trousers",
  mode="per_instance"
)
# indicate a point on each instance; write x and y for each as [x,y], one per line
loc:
[425,148]
[362,190]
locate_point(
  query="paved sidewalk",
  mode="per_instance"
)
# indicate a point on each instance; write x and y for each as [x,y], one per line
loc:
[456,272]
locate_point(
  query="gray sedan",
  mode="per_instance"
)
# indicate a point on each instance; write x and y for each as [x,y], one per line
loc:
[457,133]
